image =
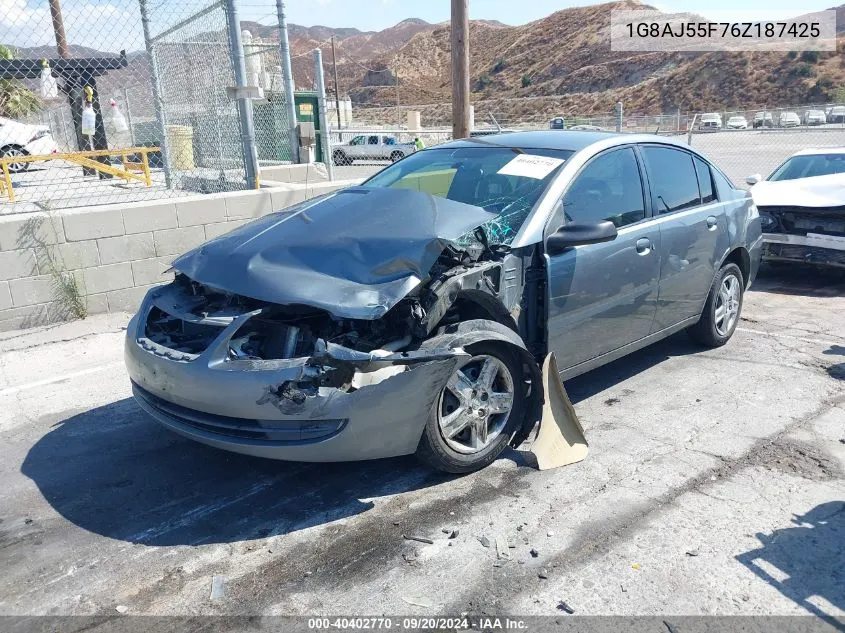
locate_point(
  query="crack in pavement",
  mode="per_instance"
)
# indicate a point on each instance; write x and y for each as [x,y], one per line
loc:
[598,538]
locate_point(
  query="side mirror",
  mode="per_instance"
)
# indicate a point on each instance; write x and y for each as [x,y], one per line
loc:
[580,234]
[754,179]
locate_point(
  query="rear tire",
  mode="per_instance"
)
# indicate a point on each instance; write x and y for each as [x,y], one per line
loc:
[722,309]
[340,159]
[476,389]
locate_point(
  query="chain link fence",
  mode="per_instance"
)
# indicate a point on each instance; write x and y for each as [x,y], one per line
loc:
[133,101]
[750,141]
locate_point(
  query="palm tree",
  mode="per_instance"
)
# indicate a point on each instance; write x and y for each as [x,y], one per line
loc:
[16,100]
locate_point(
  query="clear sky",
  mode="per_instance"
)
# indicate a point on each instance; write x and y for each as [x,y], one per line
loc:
[372,15]
[115,24]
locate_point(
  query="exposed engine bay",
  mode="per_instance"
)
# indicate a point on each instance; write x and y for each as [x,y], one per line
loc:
[813,235]
[187,316]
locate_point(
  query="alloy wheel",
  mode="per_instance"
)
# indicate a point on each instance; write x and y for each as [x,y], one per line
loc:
[475,405]
[13,152]
[727,305]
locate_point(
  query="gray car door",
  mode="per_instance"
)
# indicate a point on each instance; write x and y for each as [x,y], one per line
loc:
[603,296]
[693,230]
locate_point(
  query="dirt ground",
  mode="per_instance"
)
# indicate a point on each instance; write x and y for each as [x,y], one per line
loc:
[714,485]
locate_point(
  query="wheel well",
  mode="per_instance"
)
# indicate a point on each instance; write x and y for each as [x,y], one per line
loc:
[479,305]
[741,258]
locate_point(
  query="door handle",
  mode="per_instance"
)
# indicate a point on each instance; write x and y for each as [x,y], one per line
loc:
[711,223]
[643,246]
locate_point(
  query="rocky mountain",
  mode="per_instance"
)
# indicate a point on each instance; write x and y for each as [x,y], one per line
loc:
[564,60]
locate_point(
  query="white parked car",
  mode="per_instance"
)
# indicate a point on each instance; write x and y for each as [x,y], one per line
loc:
[371,147]
[737,123]
[802,208]
[815,117]
[789,119]
[23,139]
[710,121]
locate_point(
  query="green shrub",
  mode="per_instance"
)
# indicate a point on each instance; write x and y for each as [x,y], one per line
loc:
[526,81]
[499,66]
[811,57]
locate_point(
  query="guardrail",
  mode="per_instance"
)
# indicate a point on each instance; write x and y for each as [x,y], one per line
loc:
[86,159]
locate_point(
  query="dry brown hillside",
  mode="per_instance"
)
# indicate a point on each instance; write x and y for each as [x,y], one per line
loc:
[566,58]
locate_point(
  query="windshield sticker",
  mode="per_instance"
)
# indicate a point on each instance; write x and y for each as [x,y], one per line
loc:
[529,166]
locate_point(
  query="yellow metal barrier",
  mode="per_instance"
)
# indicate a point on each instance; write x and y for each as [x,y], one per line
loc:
[86,159]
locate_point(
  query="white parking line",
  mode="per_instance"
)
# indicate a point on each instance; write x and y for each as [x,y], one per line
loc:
[49,381]
[789,336]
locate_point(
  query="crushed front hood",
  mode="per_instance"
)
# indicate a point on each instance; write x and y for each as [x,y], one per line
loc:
[354,253]
[819,191]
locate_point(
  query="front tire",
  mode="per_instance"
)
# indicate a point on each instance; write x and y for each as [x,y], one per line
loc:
[396,156]
[12,151]
[722,308]
[340,159]
[477,412]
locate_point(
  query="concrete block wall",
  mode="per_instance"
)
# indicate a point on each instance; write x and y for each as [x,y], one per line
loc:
[117,252]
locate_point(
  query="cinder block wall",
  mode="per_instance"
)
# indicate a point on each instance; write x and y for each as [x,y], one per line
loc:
[116,253]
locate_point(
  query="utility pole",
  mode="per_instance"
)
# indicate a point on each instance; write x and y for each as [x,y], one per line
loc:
[287,75]
[336,90]
[59,28]
[325,140]
[460,69]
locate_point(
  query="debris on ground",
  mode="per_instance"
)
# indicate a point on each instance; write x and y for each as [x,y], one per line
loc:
[410,557]
[485,542]
[669,627]
[419,539]
[454,534]
[121,608]
[446,530]
[534,553]
[635,566]
[418,601]
[560,440]
[562,606]
[692,552]
[502,549]
[544,575]
[550,533]
[218,588]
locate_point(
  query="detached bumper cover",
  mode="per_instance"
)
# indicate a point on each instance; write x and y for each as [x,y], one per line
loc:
[258,407]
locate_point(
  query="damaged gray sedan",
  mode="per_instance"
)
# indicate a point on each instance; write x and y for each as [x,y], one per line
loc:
[411,314]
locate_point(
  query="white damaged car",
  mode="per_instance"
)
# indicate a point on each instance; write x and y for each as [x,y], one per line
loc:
[802,208]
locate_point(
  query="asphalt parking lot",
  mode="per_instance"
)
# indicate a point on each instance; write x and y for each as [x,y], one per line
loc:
[714,485]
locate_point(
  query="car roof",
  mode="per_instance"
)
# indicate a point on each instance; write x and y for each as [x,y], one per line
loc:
[819,151]
[566,140]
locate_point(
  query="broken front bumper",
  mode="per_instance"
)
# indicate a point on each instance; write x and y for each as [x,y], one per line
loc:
[243,405]
[828,250]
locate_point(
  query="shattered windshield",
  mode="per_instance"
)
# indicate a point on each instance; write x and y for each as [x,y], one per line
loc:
[810,166]
[501,180]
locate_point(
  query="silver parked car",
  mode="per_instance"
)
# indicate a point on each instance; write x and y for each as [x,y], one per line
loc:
[371,147]
[411,314]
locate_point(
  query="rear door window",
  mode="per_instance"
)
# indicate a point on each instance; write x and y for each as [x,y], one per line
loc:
[373,140]
[671,175]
